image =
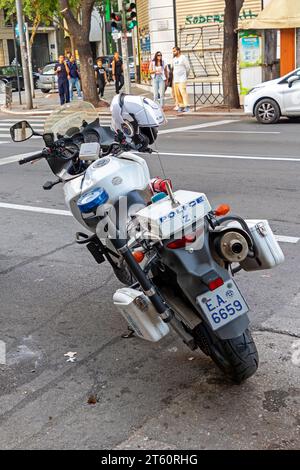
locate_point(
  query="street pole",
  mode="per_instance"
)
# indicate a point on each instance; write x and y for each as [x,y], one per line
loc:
[135,53]
[29,60]
[24,55]
[17,63]
[124,46]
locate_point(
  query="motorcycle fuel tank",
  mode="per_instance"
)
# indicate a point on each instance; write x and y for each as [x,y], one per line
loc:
[117,175]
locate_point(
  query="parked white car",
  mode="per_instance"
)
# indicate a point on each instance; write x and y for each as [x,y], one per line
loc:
[275,98]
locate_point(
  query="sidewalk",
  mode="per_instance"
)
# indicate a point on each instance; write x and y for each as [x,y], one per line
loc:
[215,414]
[44,104]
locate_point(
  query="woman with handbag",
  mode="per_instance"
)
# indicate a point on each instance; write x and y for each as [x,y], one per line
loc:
[159,76]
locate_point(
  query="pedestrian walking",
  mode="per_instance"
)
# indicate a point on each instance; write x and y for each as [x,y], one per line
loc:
[118,72]
[181,69]
[74,80]
[68,56]
[101,77]
[63,74]
[159,75]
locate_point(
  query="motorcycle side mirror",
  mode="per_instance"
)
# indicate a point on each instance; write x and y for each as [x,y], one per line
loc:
[21,131]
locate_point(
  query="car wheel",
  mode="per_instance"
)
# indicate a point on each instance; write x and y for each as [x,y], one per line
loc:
[43,90]
[267,111]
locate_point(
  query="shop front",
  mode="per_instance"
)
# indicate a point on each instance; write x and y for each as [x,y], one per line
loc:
[284,16]
[200,30]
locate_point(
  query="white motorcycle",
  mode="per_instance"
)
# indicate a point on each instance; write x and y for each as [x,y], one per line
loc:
[176,255]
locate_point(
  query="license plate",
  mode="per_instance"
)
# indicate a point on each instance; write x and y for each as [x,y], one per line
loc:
[222,305]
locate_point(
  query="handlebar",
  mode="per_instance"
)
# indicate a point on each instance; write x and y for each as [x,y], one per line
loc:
[32,158]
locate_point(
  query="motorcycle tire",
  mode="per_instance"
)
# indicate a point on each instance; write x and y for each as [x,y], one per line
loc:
[236,357]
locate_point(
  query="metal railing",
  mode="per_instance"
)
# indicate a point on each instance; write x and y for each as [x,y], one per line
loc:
[207,93]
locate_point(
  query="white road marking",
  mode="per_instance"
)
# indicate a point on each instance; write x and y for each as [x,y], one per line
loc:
[7,125]
[234,157]
[8,135]
[41,210]
[14,120]
[46,210]
[284,239]
[198,126]
[231,132]
[5,142]
[14,158]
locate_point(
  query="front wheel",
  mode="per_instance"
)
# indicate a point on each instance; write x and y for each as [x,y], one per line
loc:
[236,357]
[267,111]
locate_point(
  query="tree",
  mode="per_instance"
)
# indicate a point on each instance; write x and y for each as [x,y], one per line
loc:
[80,29]
[74,16]
[229,68]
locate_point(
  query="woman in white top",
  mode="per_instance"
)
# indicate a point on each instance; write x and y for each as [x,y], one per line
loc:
[159,77]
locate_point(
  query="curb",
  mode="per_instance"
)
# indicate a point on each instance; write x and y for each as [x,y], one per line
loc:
[216,113]
[41,113]
[45,112]
[108,113]
[36,113]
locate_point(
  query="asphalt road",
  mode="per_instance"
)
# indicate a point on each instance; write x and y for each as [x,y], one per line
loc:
[55,299]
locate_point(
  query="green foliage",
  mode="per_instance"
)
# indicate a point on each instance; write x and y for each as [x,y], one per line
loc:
[43,10]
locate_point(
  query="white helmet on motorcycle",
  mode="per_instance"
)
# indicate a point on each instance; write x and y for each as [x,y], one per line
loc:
[138,118]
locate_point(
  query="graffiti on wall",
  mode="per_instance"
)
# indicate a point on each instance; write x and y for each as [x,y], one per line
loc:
[219,18]
[203,47]
[145,54]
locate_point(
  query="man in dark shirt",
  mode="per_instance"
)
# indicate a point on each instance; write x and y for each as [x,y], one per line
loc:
[74,79]
[117,72]
[63,73]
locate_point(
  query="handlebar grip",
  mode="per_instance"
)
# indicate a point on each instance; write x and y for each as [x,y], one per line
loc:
[36,156]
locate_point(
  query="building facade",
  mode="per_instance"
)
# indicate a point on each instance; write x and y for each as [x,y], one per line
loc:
[44,49]
[196,26]
[200,31]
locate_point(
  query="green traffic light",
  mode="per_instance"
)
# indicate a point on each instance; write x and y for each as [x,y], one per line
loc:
[131,25]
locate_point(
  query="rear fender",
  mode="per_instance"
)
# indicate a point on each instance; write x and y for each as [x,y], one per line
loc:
[194,270]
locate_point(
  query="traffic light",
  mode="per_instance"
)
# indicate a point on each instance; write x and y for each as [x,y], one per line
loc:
[131,21]
[116,23]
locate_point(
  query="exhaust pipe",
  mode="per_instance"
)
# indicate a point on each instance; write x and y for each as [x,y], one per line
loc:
[232,246]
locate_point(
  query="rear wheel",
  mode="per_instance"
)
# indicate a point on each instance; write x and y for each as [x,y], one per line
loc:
[236,357]
[44,90]
[267,111]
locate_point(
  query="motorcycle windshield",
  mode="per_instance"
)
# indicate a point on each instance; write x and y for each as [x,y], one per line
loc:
[68,119]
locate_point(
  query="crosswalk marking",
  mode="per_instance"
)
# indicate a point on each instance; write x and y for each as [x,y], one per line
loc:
[5,125]
[36,123]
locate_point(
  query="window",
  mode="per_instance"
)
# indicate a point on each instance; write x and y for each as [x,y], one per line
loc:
[48,70]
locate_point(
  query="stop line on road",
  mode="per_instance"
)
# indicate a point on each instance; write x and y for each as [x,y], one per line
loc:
[234,157]
[50,211]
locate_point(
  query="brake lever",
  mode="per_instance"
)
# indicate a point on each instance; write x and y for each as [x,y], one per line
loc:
[49,184]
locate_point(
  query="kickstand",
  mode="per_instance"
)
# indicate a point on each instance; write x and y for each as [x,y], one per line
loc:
[129,334]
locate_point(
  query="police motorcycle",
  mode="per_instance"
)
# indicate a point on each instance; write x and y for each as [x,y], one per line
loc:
[176,255]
